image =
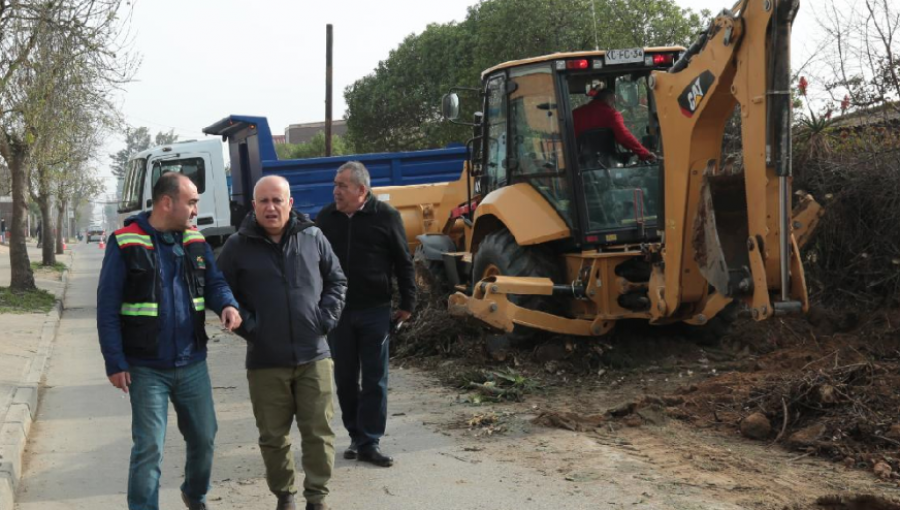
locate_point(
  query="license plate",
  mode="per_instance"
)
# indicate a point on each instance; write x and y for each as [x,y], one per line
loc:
[627,56]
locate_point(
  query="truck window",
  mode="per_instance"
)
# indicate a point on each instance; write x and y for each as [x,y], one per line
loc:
[192,168]
[535,131]
[133,187]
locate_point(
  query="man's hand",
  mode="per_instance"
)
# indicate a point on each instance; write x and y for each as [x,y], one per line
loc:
[121,380]
[231,319]
[402,316]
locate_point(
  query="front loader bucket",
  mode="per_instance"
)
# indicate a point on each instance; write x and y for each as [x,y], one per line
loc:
[490,305]
[720,235]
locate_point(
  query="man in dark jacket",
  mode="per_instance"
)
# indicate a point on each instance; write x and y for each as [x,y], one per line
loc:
[291,290]
[157,280]
[368,237]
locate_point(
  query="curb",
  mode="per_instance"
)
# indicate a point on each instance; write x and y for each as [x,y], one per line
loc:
[22,412]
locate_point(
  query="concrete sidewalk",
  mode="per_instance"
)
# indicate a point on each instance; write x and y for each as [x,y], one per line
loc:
[27,340]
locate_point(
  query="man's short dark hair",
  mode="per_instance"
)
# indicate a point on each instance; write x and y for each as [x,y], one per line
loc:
[605,94]
[168,185]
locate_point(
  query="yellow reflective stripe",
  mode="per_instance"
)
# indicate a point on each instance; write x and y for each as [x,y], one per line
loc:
[134,238]
[192,234]
[199,304]
[140,309]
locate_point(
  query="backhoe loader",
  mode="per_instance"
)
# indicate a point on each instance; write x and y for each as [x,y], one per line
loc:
[562,230]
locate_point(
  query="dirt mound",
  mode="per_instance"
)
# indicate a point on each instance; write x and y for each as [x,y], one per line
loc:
[829,396]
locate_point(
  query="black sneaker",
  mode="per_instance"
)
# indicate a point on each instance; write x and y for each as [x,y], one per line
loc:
[373,455]
[192,505]
[351,452]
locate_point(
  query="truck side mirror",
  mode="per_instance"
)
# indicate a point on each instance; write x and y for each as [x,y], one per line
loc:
[149,202]
[450,106]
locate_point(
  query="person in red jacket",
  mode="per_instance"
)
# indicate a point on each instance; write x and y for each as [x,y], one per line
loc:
[601,113]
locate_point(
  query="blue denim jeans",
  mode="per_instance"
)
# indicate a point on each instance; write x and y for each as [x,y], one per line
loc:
[190,391]
[359,346]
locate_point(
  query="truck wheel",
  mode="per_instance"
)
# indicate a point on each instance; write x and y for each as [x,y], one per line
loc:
[431,272]
[500,254]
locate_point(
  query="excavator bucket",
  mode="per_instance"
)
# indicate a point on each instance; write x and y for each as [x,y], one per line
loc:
[720,234]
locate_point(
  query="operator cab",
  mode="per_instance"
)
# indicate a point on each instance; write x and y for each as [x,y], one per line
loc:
[620,192]
[605,194]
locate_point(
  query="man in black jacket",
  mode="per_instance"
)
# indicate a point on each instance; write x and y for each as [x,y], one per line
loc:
[291,291]
[369,239]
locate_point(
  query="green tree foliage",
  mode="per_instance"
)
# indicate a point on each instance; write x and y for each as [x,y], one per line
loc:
[314,148]
[137,140]
[163,138]
[397,107]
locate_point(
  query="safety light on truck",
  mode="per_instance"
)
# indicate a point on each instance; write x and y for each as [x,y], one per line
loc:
[663,59]
[581,63]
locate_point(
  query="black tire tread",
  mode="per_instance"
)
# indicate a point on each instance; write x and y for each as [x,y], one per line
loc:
[501,249]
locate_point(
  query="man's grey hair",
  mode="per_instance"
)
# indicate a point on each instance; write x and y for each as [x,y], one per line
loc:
[287,184]
[359,175]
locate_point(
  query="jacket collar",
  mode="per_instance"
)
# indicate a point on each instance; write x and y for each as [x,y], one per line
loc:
[143,220]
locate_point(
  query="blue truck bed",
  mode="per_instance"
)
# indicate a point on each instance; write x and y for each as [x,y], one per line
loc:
[253,156]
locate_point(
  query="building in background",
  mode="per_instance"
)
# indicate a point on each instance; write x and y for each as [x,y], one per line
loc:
[302,133]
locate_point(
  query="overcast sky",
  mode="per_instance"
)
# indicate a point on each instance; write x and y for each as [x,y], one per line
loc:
[205,59]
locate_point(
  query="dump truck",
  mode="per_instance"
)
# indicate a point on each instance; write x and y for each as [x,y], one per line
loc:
[226,193]
[553,230]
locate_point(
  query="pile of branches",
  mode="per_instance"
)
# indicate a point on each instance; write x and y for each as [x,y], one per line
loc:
[854,255]
[838,412]
[432,330]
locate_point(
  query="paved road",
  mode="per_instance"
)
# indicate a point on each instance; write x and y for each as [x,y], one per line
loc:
[78,452]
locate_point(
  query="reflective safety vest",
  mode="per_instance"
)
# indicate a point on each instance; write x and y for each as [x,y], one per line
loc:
[140,298]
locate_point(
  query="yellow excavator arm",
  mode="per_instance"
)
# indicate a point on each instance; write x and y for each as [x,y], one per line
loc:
[728,229]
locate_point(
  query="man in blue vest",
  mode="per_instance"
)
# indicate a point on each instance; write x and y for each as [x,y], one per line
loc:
[158,278]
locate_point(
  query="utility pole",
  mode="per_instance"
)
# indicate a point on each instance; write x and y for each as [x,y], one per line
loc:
[328,62]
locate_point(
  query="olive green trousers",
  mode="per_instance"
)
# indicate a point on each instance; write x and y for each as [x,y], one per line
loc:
[278,396]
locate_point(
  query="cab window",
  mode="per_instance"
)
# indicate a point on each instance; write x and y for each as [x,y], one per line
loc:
[496,143]
[133,187]
[192,168]
[535,130]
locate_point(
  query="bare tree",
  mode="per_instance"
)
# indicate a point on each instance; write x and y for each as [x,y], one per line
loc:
[76,45]
[862,58]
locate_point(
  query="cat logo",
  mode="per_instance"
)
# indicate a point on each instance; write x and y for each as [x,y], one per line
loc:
[692,97]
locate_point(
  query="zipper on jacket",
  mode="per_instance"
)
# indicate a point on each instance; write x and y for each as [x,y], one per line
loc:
[349,237]
[287,293]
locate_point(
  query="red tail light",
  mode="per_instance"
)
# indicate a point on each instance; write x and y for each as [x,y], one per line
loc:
[577,64]
[663,59]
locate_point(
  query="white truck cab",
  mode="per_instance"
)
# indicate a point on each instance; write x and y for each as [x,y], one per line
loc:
[202,162]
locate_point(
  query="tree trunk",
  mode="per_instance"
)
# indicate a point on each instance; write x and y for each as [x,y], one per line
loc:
[22,278]
[60,225]
[48,236]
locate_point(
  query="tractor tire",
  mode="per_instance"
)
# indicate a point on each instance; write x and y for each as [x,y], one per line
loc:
[430,274]
[500,254]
